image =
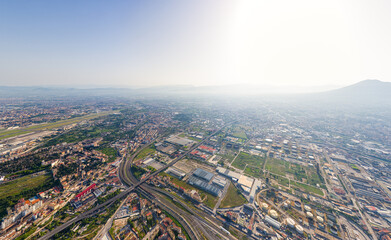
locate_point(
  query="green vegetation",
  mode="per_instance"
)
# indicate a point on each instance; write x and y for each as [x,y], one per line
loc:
[281,180]
[307,188]
[253,171]
[210,199]
[184,117]
[92,224]
[176,223]
[137,171]
[296,171]
[27,233]
[111,232]
[229,156]
[28,182]
[244,159]
[110,152]
[24,187]
[233,198]
[145,152]
[109,130]
[239,132]
[28,164]
[108,196]
[47,126]
[281,167]
[354,167]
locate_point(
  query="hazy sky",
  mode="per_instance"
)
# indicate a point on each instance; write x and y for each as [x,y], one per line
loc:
[146,43]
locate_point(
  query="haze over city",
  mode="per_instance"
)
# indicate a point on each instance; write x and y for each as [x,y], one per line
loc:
[319,44]
[195,120]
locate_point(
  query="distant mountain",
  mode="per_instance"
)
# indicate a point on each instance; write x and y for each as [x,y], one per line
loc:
[366,88]
[366,92]
[37,91]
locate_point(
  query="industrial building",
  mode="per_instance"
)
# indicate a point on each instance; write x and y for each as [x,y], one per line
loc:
[234,176]
[245,183]
[274,223]
[179,141]
[219,181]
[205,175]
[255,188]
[204,185]
[173,171]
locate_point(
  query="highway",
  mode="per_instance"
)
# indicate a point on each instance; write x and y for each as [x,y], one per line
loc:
[101,207]
[200,222]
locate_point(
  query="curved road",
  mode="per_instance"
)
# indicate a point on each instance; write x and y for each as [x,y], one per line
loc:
[99,208]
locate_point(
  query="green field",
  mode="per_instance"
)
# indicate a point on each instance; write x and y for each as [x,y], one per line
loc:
[24,187]
[47,126]
[281,180]
[145,152]
[17,186]
[246,158]
[239,132]
[301,175]
[229,155]
[307,188]
[281,167]
[233,198]
[253,171]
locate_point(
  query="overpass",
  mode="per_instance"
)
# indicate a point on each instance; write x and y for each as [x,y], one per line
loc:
[101,207]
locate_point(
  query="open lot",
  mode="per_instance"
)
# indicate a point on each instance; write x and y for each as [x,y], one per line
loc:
[239,132]
[19,185]
[253,171]
[145,152]
[233,198]
[302,177]
[294,171]
[244,159]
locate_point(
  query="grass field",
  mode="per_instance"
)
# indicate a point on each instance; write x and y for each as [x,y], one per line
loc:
[229,155]
[145,152]
[233,198]
[307,188]
[47,126]
[239,132]
[299,172]
[16,186]
[281,180]
[253,171]
[246,158]
[281,167]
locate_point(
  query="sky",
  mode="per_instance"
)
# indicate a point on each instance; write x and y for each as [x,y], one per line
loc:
[220,42]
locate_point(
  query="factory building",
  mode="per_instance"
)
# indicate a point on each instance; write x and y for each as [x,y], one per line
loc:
[173,171]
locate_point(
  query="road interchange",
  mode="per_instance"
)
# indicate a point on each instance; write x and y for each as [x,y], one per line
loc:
[101,207]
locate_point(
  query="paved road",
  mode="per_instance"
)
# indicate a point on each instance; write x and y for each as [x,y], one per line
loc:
[223,193]
[101,207]
[353,198]
[196,222]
